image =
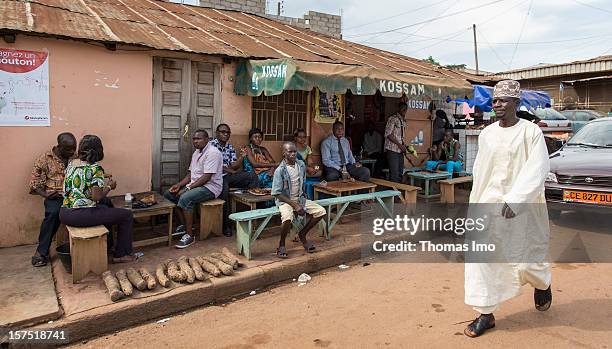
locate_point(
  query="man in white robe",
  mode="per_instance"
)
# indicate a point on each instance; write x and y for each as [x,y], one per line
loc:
[509,174]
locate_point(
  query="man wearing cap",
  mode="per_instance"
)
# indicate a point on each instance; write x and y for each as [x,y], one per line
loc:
[510,169]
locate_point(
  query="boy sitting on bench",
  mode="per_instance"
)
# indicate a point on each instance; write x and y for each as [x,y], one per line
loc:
[290,194]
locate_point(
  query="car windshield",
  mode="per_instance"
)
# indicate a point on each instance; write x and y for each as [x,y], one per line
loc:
[594,134]
[549,114]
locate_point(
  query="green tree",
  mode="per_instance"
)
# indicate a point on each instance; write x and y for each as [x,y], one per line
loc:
[431,60]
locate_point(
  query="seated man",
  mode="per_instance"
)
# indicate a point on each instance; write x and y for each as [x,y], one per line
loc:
[47,180]
[233,174]
[337,155]
[448,150]
[203,182]
[289,191]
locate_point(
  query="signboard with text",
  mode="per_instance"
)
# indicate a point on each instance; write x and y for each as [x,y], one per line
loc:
[24,88]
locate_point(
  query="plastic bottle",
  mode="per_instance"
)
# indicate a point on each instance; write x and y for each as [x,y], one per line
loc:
[128,200]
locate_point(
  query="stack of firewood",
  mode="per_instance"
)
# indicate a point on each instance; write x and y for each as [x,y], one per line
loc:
[122,283]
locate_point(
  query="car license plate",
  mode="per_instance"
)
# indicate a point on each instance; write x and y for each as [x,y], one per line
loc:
[587,197]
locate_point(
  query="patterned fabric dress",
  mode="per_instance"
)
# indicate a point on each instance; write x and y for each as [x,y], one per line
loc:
[265,180]
[80,178]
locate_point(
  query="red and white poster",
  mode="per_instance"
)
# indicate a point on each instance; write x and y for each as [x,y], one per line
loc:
[24,88]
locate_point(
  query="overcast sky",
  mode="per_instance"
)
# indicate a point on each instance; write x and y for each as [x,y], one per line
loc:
[547,25]
[547,31]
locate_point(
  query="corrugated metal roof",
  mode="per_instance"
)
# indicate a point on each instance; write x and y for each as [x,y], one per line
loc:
[169,26]
[593,65]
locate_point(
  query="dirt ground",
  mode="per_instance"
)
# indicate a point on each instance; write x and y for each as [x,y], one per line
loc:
[387,305]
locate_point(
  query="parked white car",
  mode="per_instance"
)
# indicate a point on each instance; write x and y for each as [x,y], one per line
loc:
[551,121]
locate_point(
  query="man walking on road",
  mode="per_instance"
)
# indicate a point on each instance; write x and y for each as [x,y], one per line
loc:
[510,169]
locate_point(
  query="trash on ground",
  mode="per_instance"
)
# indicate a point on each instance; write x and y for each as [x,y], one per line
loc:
[162,320]
[366,264]
[253,293]
[304,278]
[343,266]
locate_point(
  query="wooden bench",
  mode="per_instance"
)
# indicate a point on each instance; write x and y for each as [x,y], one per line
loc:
[447,188]
[211,218]
[409,192]
[87,251]
[245,236]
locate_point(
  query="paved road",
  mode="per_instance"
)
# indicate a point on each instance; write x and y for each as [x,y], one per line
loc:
[388,305]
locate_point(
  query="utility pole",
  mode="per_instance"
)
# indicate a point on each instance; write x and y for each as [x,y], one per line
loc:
[475,48]
[278,9]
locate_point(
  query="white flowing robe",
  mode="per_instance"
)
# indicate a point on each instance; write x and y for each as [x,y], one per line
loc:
[510,167]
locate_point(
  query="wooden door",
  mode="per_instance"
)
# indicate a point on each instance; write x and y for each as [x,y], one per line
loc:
[186,96]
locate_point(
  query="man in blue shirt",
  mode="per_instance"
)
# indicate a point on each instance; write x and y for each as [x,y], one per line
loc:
[336,153]
[233,174]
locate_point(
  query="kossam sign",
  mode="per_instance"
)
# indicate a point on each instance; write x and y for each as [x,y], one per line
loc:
[274,72]
[399,87]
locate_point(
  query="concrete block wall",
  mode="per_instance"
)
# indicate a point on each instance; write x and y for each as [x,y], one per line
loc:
[319,22]
[324,23]
[250,6]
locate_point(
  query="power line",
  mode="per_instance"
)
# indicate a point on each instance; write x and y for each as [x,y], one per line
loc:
[428,38]
[490,46]
[425,24]
[428,20]
[397,15]
[593,7]
[439,42]
[520,34]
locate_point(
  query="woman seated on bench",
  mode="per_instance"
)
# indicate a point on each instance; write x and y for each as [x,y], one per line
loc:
[448,150]
[259,160]
[84,188]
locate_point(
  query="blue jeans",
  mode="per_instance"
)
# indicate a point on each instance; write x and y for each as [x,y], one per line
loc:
[449,166]
[190,198]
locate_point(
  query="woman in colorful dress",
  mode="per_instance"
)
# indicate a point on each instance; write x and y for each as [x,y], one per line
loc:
[259,160]
[84,188]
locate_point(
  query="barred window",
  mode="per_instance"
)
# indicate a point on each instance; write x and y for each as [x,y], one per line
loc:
[278,116]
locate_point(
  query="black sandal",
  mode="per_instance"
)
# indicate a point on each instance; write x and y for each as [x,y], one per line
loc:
[542,299]
[39,261]
[480,325]
[281,252]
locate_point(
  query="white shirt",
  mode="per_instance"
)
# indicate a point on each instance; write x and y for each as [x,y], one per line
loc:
[295,181]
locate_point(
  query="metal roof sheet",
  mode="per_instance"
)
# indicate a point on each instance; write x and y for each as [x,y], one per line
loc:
[168,26]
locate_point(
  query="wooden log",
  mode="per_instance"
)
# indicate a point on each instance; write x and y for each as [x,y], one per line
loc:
[160,272]
[225,259]
[174,272]
[197,269]
[126,285]
[136,279]
[227,252]
[208,267]
[185,268]
[148,278]
[112,285]
[226,269]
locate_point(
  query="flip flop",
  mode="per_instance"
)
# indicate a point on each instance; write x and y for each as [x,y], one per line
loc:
[281,252]
[542,299]
[309,247]
[479,326]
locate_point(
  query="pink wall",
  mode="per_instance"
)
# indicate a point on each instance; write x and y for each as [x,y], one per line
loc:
[81,103]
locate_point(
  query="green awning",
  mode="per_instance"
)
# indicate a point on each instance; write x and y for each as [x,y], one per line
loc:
[271,77]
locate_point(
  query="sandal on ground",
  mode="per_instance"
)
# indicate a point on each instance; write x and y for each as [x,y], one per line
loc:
[39,261]
[480,325]
[309,247]
[281,252]
[125,259]
[542,299]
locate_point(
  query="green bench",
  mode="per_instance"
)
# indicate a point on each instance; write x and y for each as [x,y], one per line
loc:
[245,236]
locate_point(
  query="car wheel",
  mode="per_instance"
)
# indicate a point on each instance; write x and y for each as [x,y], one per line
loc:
[554,214]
